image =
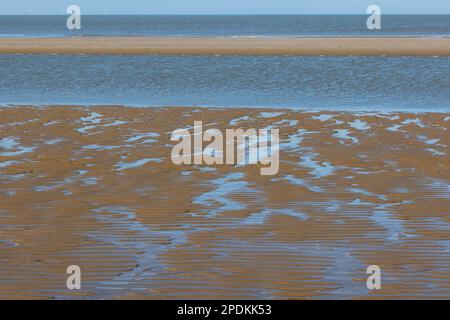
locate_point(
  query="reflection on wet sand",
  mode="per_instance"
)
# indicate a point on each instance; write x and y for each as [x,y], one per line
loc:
[95,187]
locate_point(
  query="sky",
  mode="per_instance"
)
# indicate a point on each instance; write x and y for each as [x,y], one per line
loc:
[224,6]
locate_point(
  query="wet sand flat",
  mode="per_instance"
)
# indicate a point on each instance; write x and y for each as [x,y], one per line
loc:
[229,46]
[95,187]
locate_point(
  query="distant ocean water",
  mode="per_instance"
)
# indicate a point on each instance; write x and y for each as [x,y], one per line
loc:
[343,83]
[226,26]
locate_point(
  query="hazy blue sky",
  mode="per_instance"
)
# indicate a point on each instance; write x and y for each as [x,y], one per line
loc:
[223,6]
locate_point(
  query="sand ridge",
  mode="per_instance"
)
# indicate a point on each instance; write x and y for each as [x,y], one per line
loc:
[228,46]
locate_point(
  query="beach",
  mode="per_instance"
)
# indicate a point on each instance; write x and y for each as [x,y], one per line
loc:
[224,151]
[95,186]
[400,46]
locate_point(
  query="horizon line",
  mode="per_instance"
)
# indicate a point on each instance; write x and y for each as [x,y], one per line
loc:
[220,14]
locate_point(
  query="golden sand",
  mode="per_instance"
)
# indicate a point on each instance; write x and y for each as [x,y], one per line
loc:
[229,46]
[353,190]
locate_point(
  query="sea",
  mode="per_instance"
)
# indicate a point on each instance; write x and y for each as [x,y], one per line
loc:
[316,83]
